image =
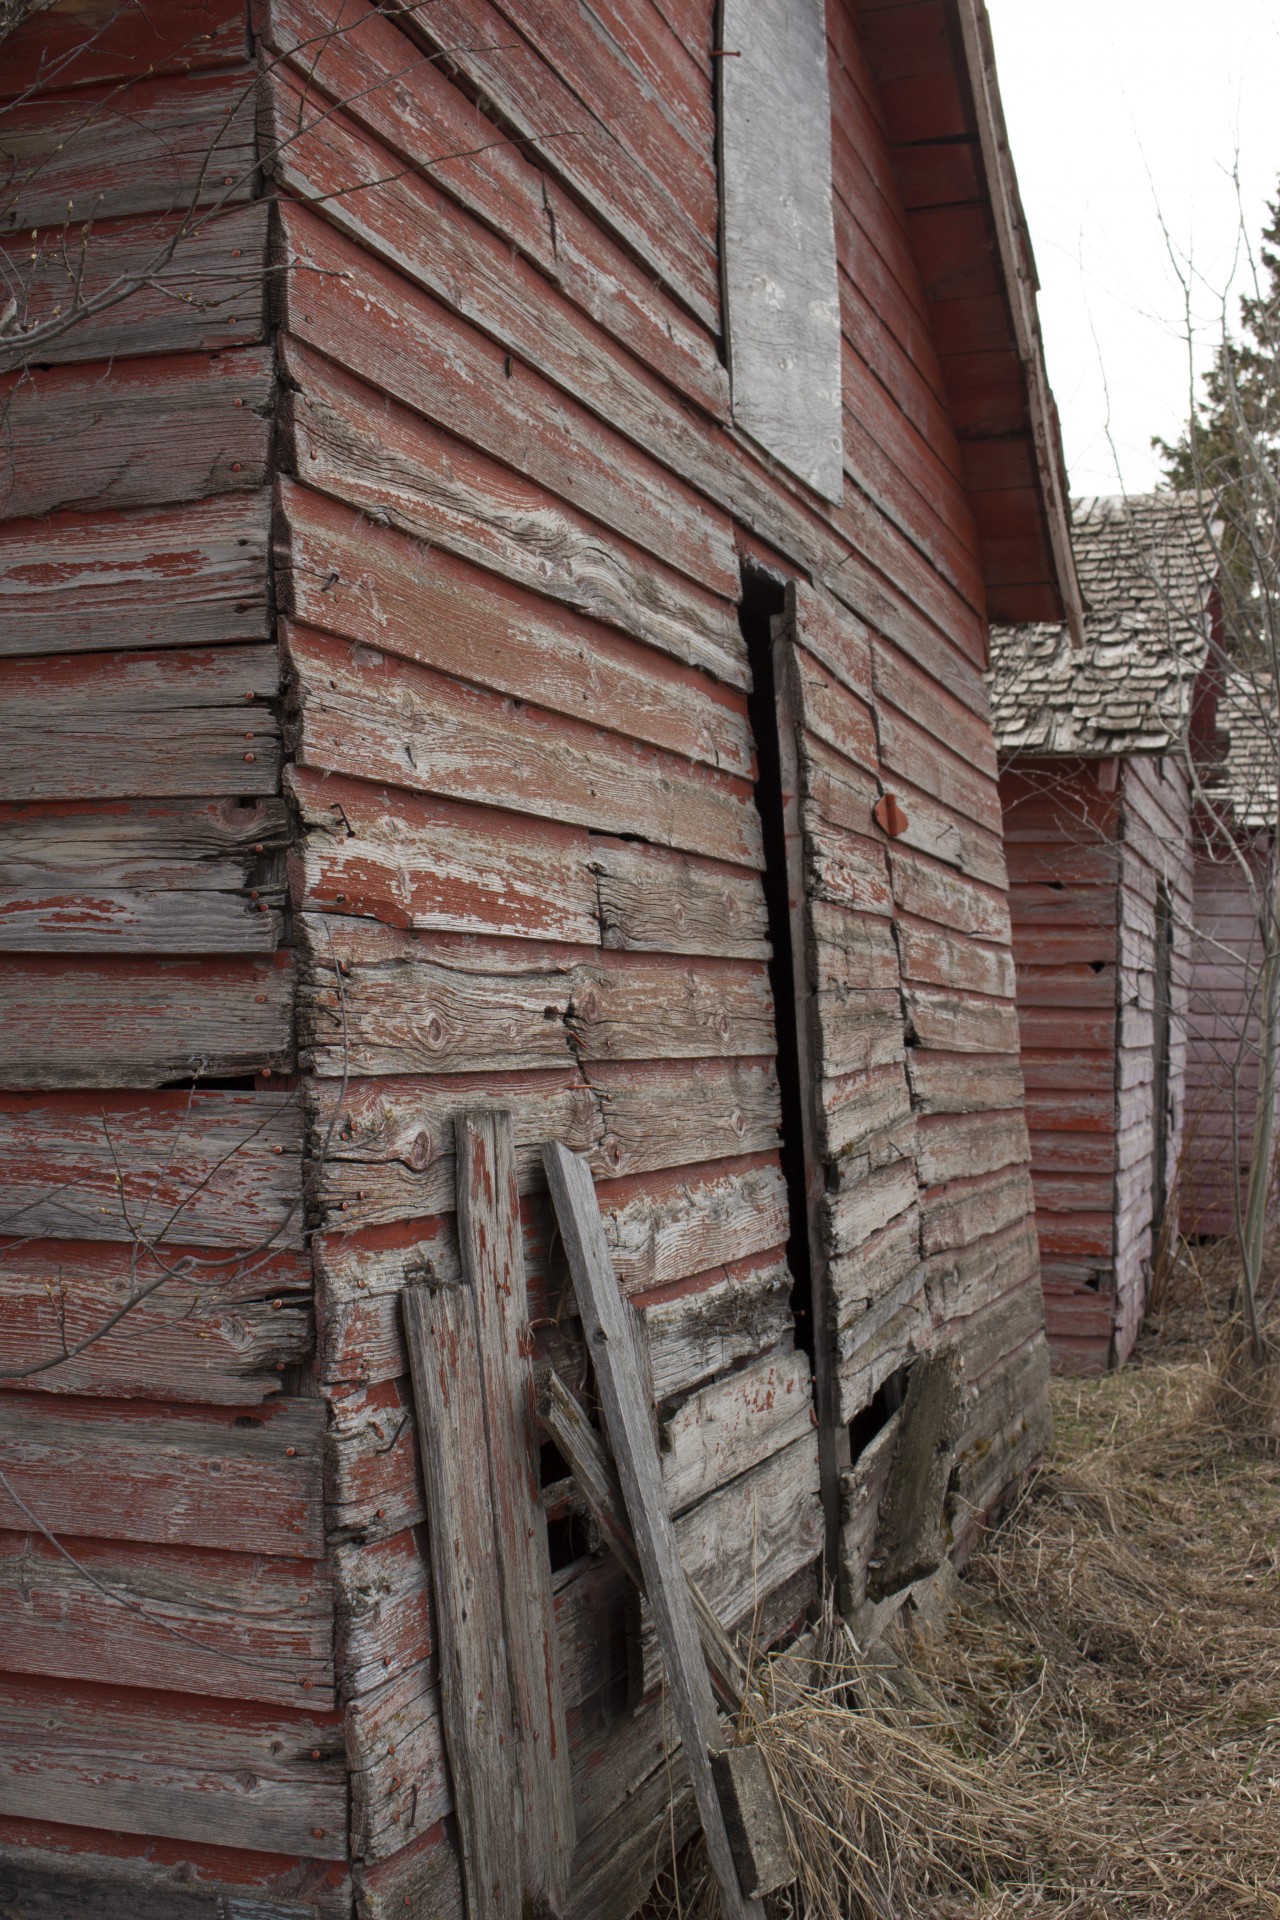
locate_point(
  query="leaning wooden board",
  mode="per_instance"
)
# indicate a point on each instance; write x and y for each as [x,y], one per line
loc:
[610,1342]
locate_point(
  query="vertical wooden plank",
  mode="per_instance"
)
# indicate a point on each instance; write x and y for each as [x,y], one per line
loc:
[444,1359]
[493,1260]
[610,1342]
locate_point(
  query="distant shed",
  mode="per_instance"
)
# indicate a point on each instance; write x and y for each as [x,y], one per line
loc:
[458,661]
[1235,851]
[1096,799]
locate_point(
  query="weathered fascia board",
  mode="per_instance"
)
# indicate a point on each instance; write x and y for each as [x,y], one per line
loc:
[206,1477]
[146,432]
[1020,282]
[188,292]
[782,303]
[219,1333]
[95,1756]
[186,1169]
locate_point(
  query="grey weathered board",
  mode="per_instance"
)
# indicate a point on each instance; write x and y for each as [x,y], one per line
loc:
[493,1259]
[782,298]
[445,1360]
[503,1711]
[612,1348]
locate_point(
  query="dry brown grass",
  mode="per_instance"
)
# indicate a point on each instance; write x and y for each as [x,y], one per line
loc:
[1095,1734]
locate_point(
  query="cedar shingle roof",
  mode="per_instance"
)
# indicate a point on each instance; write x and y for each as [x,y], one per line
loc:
[1244,780]
[1144,563]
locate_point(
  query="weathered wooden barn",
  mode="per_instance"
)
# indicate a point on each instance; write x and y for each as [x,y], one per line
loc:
[1097,801]
[1234,881]
[502,509]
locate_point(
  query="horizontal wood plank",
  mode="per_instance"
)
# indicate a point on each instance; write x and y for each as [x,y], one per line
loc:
[99,1022]
[147,286]
[381,719]
[204,1328]
[241,1626]
[190,576]
[121,1759]
[176,1169]
[247,1481]
[147,433]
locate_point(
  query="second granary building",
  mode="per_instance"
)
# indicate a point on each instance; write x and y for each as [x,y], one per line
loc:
[1096,791]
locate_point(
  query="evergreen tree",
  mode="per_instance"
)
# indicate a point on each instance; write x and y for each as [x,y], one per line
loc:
[1230,451]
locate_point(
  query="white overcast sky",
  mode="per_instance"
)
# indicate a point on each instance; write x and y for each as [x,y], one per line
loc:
[1120,112]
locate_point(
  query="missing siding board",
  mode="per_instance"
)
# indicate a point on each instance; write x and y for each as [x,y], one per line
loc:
[763,602]
[778,259]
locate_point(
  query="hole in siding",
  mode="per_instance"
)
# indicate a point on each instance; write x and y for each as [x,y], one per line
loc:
[763,602]
[1097,966]
[213,1082]
[876,1415]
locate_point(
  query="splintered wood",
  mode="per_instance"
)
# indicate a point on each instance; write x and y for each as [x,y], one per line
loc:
[504,1717]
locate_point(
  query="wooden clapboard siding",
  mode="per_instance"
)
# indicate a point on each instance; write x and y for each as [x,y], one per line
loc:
[1062,834]
[1085,866]
[473,541]
[1223,1060]
[158,1317]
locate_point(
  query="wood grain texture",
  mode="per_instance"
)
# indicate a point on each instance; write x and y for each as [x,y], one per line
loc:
[728,1427]
[155,146]
[140,725]
[120,1759]
[191,576]
[432,123]
[145,286]
[782,306]
[250,1482]
[493,1261]
[427,863]
[179,1169]
[370,584]
[78,43]
[610,1340]
[381,719]
[100,1022]
[214,1330]
[147,434]
[434,482]
[235,1625]
[440,1327]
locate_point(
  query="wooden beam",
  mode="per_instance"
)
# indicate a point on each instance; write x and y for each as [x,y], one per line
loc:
[611,1344]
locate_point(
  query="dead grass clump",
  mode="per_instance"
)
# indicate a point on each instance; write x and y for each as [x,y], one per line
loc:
[1095,1735]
